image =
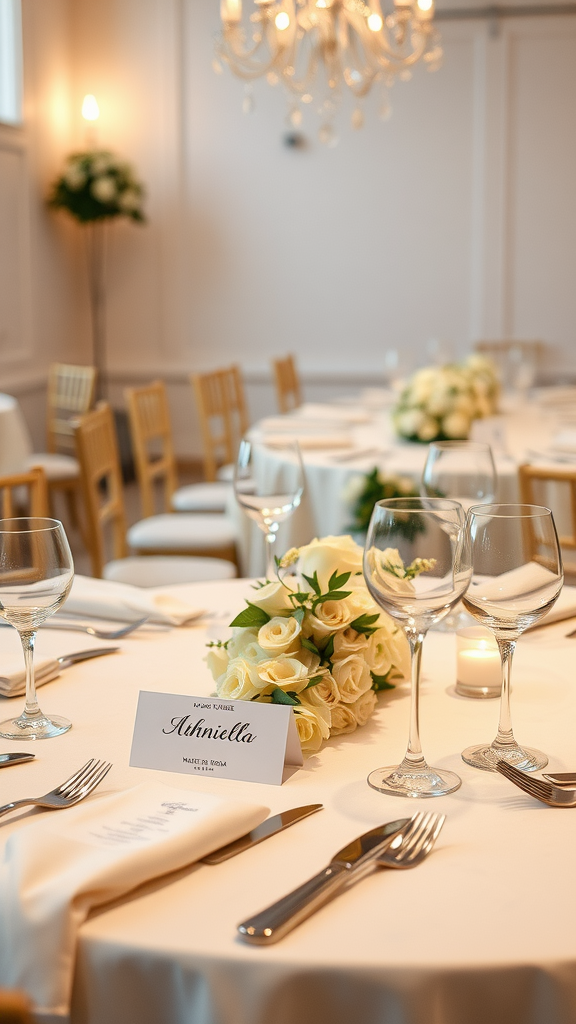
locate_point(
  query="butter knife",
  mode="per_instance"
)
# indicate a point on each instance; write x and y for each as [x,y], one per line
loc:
[276,921]
[277,823]
[14,758]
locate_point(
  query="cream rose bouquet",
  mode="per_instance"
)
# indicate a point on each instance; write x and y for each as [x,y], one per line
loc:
[439,403]
[313,639]
[95,186]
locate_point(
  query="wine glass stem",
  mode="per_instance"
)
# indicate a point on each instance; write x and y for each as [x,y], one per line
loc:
[270,563]
[505,736]
[413,757]
[28,638]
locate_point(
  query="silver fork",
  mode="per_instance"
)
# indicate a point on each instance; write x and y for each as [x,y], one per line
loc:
[407,850]
[70,792]
[554,796]
[102,634]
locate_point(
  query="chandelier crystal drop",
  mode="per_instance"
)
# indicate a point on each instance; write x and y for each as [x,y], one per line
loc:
[314,47]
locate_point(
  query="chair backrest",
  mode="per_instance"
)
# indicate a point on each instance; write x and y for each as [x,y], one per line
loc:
[287,381]
[70,394]
[24,494]
[223,415]
[15,1007]
[152,444]
[101,478]
[555,489]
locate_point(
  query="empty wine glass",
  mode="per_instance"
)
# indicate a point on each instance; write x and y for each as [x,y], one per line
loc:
[416,568]
[268,484]
[461,470]
[36,573]
[516,579]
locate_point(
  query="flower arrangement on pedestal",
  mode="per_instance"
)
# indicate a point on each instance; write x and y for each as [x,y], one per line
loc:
[313,639]
[364,490]
[439,403]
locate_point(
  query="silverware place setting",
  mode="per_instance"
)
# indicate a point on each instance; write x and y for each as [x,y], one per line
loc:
[70,792]
[546,792]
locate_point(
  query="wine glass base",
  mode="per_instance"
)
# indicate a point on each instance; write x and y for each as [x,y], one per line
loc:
[38,727]
[485,756]
[417,782]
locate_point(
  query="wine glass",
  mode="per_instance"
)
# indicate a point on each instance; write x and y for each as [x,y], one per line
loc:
[36,573]
[268,485]
[461,470]
[416,567]
[516,579]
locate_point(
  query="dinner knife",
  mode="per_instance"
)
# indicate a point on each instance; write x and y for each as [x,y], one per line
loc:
[14,758]
[52,667]
[277,823]
[562,778]
[276,921]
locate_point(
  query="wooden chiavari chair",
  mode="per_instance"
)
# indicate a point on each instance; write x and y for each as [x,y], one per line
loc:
[24,494]
[162,535]
[223,416]
[535,489]
[287,381]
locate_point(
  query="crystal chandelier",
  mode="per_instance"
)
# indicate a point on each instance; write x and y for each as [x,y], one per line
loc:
[315,46]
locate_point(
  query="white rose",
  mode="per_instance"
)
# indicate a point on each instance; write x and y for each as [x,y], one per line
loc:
[280,635]
[245,642]
[310,661]
[129,200]
[388,648]
[287,673]
[312,729]
[273,598]
[75,177]
[217,660]
[352,677]
[322,694]
[104,189]
[237,682]
[363,707]
[456,425]
[328,617]
[328,555]
[408,423]
[348,641]
[428,429]
[343,720]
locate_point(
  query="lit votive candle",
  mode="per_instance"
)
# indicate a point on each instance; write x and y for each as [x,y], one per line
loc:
[478,665]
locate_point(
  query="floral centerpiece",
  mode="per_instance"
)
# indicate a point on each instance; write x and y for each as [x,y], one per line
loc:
[439,403]
[314,639]
[364,490]
[96,185]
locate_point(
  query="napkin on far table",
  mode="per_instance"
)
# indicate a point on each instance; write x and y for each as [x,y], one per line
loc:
[105,599]
[53,872]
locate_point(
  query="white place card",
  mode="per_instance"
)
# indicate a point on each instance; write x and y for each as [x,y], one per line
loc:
[224,739]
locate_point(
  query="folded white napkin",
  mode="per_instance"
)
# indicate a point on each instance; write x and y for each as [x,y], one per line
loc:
[13,678]
[105,599]
[564,441]
[293,424]
[314,411]
[52,873]
[565,608]
[308,441]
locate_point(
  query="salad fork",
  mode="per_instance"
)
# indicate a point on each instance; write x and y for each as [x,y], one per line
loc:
[68,793]
[554,796]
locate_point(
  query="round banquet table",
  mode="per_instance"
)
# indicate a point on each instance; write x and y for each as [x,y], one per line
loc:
[482,931]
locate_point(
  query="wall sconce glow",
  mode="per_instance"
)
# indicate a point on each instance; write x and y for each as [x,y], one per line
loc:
[282,21]
[90,108]
[375,22]
[425,5]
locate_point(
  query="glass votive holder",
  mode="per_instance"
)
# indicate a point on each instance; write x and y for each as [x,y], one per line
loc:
[478,664]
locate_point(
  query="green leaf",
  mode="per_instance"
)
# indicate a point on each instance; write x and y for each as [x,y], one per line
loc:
[336,581]
[381,683]
[298,614]
[328,649]
[364,624]
[313,582]
[251,616]
[309,645]
[332,595]
[282,697]
[313,681]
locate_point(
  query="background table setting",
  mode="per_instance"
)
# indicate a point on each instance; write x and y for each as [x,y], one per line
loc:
[473,934]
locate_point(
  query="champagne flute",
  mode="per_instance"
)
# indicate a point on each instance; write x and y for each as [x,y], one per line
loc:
[416,567]
[36,573]
[516,579]
[268,485]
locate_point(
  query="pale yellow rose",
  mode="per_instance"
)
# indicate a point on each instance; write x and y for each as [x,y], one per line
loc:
[329,617]
[457,424]
[352,677]
[244,643]
[348,641]
[309,660]
[280,635]
[312,729]
[287,673]
[328,555]
[217,660]
[237,682]
[274,598]
[363,707]
[388,648]
[322,694]
[343,720]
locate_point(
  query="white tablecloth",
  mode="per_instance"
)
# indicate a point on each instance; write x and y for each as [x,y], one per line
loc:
[15,441]
[483,931]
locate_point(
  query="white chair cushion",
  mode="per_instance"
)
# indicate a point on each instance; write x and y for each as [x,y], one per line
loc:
[209,497]
[226,473]
[181,532]
[163,570]
[56,467]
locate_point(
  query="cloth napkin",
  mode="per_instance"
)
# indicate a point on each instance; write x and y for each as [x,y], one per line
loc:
[52,873]
[565,608]
[308,441]
[105,599]
[13,678]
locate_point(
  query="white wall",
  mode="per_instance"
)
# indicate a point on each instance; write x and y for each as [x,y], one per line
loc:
[454,219]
